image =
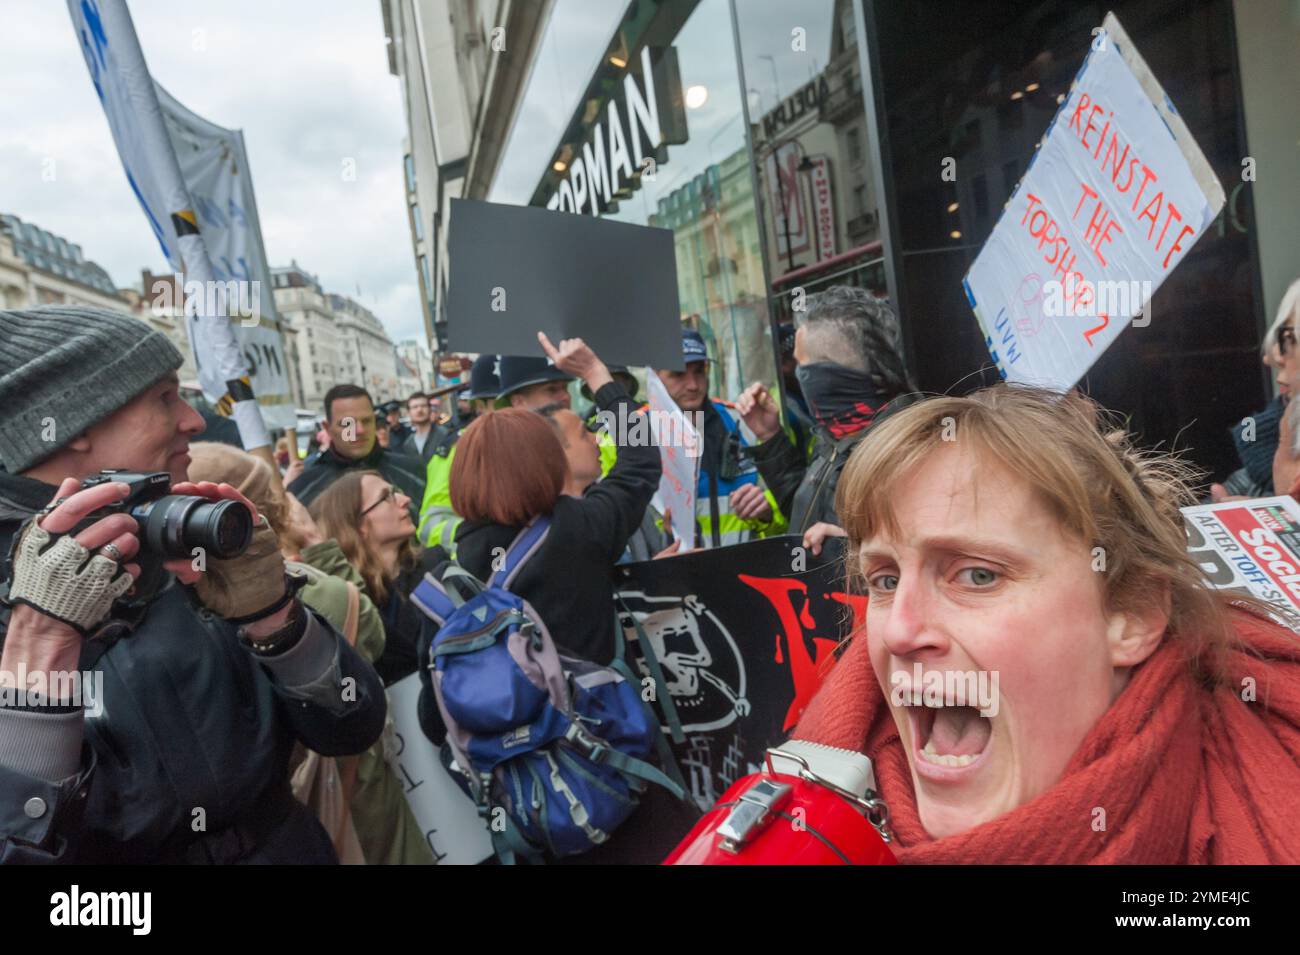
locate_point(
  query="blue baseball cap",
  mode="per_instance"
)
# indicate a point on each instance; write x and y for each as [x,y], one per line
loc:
[693,347]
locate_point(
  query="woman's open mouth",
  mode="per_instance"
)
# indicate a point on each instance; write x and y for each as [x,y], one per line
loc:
[948,741]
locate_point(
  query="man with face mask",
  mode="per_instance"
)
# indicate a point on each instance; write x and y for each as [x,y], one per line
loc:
[850,368]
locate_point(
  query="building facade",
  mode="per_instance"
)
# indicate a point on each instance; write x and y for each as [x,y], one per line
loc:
[794,146]
[311,341]
[40,268]
[366,354]
[331,339]
[462,64]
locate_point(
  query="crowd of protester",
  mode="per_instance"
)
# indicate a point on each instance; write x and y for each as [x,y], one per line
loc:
[243,715]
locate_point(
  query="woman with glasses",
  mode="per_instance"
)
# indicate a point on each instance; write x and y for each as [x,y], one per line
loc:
[1257,436]
[371,520]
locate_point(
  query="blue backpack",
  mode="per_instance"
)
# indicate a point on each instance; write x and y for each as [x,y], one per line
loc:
[555,751]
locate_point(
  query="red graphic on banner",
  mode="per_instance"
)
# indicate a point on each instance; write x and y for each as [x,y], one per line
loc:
[806,669]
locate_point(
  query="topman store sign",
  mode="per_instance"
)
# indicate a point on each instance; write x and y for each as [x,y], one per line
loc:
[606,161]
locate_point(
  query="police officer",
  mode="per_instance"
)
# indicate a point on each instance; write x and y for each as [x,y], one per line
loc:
[732,505]
[438,522]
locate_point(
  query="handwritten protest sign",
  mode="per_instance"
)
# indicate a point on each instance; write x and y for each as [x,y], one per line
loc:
[679,449]
[1251,547]
[450,823]
[1115,196]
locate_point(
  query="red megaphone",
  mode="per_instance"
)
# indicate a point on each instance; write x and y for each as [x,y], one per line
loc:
[815,805]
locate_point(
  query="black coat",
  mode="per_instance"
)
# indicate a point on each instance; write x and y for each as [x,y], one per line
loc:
[804,489]
[569,583]
[408,446]
[189,760]
[327,467]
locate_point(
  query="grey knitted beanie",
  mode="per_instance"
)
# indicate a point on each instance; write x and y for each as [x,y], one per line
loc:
[64,368]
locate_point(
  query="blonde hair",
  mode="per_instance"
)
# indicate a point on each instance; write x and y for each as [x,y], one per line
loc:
[338,514]
[1082,465]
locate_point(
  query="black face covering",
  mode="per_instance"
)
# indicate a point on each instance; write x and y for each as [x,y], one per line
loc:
[842,400]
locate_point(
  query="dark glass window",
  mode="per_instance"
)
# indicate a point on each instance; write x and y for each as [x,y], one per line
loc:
[1195,370]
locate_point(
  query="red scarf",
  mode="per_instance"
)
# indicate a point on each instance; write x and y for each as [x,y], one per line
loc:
[1185,774]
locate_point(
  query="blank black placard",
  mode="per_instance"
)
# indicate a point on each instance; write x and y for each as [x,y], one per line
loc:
[517,270]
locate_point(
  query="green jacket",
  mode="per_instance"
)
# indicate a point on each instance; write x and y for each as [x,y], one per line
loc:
[387,831]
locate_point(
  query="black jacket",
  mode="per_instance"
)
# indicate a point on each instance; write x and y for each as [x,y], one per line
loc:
[408,446]
[569,581]
[403,621]
[327,467]
[806,489]
[189,759]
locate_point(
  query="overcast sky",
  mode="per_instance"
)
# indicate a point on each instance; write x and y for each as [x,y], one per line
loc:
[306,80]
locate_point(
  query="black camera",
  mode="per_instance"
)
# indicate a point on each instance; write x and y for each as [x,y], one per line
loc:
[173,525]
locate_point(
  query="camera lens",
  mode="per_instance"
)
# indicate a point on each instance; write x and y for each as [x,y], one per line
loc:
[178,523]
[224,529]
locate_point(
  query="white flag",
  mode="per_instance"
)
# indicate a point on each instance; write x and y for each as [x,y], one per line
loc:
[126,91]
[220,184]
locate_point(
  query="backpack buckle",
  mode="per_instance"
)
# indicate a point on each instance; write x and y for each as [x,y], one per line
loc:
[597,750]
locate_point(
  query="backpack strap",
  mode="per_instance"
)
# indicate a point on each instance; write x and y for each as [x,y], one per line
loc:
[656,671]
[434,599]
[528,542]
[601,753]
[674,782]
[439,598]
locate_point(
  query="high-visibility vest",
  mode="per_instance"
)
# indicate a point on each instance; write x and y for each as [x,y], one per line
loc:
[733,529]
[438,521]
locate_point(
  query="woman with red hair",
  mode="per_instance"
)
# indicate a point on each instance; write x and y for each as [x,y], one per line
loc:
[1137,714]
[510,467]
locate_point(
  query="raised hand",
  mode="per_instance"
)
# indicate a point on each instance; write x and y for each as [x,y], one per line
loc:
[757,406]
[574,357]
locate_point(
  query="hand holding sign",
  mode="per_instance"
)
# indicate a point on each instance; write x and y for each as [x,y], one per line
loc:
[573,357]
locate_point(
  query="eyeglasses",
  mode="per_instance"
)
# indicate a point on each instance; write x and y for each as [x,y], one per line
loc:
[1285,338]
[390,494]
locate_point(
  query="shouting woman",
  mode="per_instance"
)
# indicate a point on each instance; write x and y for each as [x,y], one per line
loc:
[1008,540]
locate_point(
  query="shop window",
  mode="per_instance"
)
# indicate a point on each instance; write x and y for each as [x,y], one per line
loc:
[855,145]
[1189,377]
[810,143]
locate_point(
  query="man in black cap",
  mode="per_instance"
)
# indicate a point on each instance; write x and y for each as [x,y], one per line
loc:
[732,504]
[397,431]
[204,673]
[531,383]
[438,522]
[350,421]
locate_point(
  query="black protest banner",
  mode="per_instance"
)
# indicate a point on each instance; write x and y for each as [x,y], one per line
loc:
[516,270]
[744,635]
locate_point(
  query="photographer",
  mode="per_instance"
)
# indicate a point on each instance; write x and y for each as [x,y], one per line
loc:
[203,683]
